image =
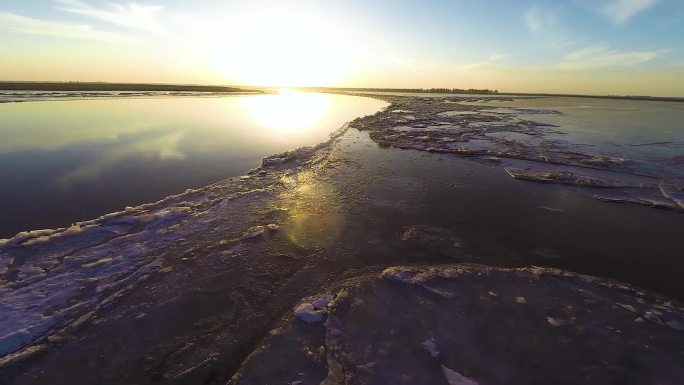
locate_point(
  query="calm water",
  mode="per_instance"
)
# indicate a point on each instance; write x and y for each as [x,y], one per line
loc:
[70,160]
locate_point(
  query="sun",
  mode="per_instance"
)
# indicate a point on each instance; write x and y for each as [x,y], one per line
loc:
[282,49]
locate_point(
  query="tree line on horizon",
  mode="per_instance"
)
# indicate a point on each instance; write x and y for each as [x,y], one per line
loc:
[102,86]
[429,90]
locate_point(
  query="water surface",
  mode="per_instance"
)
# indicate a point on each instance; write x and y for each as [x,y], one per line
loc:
[70,160]
[648,132]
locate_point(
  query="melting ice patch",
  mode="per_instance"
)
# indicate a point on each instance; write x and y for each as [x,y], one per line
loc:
[56,279]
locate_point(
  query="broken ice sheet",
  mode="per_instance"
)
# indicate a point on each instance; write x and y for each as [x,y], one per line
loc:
[539,144]
[391,329]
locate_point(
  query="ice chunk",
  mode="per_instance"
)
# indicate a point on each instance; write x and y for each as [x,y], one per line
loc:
[398,274]
[431,347]
[455,378]
[673,192]
[99,262]
[628,307]
[313,311]
[307,313]
[554,321]
[562,177]
[253,232]
[323,301]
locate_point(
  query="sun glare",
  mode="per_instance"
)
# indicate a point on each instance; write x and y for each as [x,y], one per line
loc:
[282,50]
[289,111]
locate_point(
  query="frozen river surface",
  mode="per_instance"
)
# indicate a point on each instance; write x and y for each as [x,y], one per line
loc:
[344,263]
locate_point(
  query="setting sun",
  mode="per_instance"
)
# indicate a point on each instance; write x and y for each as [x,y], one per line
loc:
[282,49]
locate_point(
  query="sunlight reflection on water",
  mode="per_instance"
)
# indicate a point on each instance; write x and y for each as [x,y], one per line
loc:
[315,215]
[288,110]
[69,160]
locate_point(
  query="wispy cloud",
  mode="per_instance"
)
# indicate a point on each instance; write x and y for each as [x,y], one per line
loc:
[541,20]
[131,15]
[497,57]
[493,60]
[621,11]
[22,24]
[546,23]
[602,56]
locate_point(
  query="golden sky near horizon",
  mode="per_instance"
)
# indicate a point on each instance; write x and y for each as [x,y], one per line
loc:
[621,48]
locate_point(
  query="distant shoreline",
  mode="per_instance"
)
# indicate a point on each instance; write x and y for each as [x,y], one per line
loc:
[143,87]
[626,97]
[92,86]
[497,93]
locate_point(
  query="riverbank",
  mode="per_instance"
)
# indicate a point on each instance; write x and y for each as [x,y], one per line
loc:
[186,289]
[129,87]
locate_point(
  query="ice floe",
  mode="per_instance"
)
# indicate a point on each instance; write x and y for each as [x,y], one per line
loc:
[390,329]
[528,150]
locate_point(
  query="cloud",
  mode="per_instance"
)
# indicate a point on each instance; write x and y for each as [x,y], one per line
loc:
[602,56]
[621,11]
[493,60]
[541,20]
[132,15]
[22,24]
[497,56]
[547,25]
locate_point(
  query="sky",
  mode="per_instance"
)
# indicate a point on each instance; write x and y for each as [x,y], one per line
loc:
[616,47]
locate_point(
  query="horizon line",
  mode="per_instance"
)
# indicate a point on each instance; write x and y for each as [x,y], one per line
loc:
[342,88]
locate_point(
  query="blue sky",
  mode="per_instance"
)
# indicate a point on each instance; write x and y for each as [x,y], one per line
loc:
[588,46]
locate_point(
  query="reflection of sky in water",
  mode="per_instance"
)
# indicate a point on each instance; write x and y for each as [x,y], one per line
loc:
[647,134]
[627,128]
[62,161]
